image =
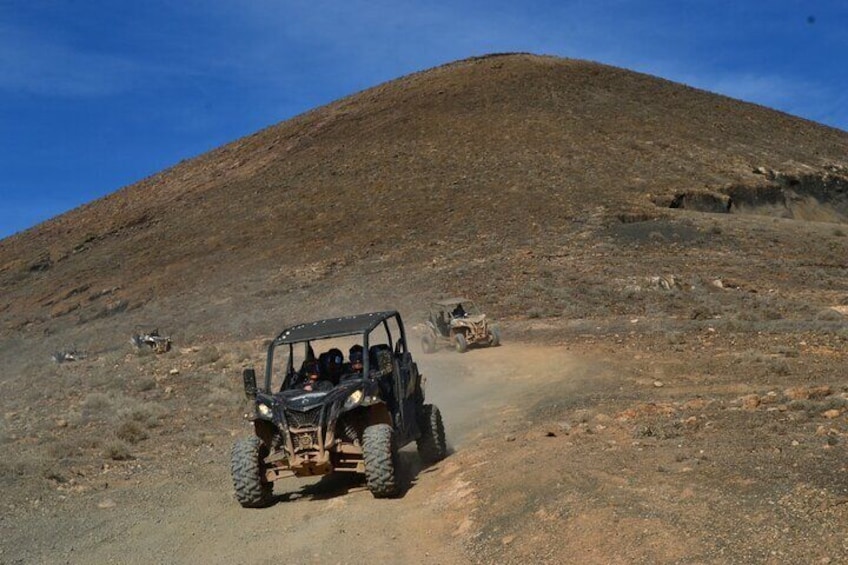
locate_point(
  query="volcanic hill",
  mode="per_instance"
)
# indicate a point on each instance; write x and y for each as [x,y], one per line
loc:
[445,180]
[690,246]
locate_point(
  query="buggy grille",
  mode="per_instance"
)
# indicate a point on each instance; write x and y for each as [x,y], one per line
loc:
[310,418]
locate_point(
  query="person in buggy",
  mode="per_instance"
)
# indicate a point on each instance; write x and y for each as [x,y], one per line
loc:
[332,365]
[313,381]
[353,368]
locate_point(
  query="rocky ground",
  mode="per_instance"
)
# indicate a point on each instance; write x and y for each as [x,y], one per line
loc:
[628,448]
[668,267]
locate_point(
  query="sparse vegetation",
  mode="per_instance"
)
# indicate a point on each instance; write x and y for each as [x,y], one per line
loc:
[131,432]
[117,450]
[207,355]
[543,186]
[97,406]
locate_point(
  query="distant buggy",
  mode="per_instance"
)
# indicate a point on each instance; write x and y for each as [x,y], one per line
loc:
[460,323]
[355,422]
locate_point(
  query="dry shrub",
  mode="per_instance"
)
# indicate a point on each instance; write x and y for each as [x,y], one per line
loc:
[64,449]
[208,354]
[829,315]
[97,406]
[144,352]
[834,403]
[779,367]
[25,465]
[131,432]
[535,313]
[222,398]
[808,392]
[227,380]
[145,384]
[752,356]
[5,436]
[147,414]
[117,450]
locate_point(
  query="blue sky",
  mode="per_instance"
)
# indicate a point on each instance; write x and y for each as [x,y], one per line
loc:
[96,94]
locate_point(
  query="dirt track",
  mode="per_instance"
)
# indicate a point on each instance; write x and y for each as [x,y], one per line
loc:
[574,454]
[194,517]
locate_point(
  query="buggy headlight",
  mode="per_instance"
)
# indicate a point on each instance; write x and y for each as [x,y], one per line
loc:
[354,400]
[264,410]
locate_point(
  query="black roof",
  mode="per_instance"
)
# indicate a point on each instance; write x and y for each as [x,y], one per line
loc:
[334,327]
[450,301]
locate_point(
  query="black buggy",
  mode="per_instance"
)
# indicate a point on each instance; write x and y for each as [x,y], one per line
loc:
[355,422]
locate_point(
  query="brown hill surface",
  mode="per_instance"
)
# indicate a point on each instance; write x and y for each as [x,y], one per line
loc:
[483,158]
[678,257]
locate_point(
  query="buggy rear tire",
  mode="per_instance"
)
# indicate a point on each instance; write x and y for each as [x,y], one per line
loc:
[496,337]
[379,450]
[432,445]
[252,490]
[460,343]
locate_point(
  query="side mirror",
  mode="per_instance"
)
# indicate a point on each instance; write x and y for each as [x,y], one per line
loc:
[249,376]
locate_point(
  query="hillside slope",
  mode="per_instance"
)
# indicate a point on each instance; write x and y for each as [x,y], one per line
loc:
[668,267]
[486,157]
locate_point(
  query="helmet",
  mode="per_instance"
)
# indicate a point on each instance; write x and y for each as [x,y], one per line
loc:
[310,367]
[331,361]
[355,354]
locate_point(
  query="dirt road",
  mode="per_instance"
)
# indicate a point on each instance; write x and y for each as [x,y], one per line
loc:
[187,513]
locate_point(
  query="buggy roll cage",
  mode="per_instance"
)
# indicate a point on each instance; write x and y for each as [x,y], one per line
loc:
[361,324]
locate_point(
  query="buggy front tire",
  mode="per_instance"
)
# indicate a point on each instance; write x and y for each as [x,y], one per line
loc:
[252,490]
[428,342]
[379,450]
[460,343]
[432,445]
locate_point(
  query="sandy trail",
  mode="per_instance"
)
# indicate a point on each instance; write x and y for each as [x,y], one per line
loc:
[194,518]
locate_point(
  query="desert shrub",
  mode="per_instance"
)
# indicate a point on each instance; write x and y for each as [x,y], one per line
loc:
[535,313]
[760,312]
[70,447]
[222,398]
[228,380]
[131,431]
[97,406]
[25,465]
[752,356]
[788,351]
[144,352]
[147,359]
[117,450]
[208,354]
[242,353]
[64,449]
[103,378]
[834,402]
[145,384]
[829,315]
[801,405]
[779,367]
[147,414]
[812,408]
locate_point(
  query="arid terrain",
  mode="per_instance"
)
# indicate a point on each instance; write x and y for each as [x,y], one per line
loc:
[668,268]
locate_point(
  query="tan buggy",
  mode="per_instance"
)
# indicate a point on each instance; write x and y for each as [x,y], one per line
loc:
[460,323]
